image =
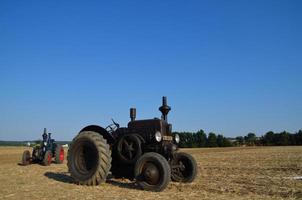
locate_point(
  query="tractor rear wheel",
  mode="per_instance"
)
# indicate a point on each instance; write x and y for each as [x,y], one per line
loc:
[26,158]
[89,158]
[184,168]
[47,158]
[152,172]
[59,152]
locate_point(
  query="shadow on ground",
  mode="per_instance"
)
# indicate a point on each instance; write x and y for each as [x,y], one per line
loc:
[120,184]
[61,177]
[66,178]
[34,163]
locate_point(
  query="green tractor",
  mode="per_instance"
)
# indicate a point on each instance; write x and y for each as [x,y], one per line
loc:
[45,152]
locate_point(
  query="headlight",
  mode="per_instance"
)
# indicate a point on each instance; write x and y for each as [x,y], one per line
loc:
[45,143]
[158,136]
[177,138]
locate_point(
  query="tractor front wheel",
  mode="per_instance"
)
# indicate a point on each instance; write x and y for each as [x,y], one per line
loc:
[184,168]
[152,172]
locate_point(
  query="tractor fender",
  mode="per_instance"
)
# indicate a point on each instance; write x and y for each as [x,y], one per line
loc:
[101,131]
[137,135]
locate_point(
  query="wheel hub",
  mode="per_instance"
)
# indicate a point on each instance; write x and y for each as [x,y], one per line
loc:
[129,150]
[151,174]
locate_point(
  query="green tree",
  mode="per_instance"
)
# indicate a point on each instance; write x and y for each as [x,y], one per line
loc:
[284,138]
[268,138]
[292,139]
[220,140]
[201,138]
[226,142]
[212,140]
[183,143]
[298,137]
[250,139]
[191,140]
[240,140]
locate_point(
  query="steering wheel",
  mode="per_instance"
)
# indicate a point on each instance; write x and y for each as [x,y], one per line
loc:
[112,127]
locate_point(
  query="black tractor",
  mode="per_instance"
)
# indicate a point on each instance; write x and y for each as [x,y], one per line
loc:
[45,152]
[144,151]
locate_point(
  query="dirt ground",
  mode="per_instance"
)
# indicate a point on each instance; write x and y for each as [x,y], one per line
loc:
[224,173]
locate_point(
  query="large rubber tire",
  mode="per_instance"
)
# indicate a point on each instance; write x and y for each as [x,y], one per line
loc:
[152,172]
[89,158]
[47,158]
[184,168]
[26,158]
[59,153]
[129,149]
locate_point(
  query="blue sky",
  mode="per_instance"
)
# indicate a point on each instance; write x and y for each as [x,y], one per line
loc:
[230,67]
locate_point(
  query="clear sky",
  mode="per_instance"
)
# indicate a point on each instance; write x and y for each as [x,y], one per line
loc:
[230,67]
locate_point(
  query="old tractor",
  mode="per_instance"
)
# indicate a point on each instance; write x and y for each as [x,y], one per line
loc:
[45,152]
[145,151]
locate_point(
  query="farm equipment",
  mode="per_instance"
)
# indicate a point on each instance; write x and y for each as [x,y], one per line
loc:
[45,152]
[144,151]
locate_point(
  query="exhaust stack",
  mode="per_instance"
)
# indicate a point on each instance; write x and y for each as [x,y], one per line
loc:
[164,109]
[132,114]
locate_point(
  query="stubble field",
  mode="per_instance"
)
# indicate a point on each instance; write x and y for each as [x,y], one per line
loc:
[224,173]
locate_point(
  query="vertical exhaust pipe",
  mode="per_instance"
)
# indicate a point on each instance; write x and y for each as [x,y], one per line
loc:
[164,109]
[44,136]
[132,114]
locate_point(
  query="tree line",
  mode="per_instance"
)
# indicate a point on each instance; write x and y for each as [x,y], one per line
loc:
[201,139]
[270,138]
